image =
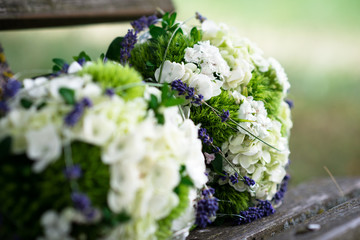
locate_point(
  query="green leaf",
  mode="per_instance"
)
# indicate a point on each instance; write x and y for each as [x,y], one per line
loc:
[82,55]
[41,105]
[217,163]
[156,32]
[173,102]
[172,19]
[68,95]
[153,104]
[149,64]
[113,52]
[122,217]
[164,92]
[59,63]
[25,103]
[160,118]
[102,56]
[195,33]
[5,147]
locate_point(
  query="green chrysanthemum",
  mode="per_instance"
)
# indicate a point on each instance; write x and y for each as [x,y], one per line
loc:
[125,80]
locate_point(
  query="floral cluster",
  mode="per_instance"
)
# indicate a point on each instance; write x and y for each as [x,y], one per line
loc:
[244,94]
[47,118]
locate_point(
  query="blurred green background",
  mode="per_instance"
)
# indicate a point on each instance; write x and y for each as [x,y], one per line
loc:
[317,41]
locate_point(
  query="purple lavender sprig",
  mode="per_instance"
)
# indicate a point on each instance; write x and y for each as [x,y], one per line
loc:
[262,209]
[127,45]
[225,116]
[73,172]
[279,195]
[74,116]
[144,22]
[200,17]
[248,181]
[234,178]
[82,203]
[206,208]
[204,137]
[189,92]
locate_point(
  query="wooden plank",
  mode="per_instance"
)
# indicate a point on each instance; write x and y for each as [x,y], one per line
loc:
[16,14]
[301,204]
[341,222]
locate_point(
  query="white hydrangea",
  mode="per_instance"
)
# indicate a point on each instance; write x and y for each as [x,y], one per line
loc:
[255,112]
[280,74]
[56,226]
[208,58]
[189,74]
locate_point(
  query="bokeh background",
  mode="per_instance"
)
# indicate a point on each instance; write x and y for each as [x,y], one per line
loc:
[317,41]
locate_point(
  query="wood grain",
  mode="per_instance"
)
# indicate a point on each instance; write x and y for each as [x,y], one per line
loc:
[15,14]
[314,202]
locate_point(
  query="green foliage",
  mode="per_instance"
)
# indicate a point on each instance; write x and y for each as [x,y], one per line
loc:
[211,122]
[37,193]
[82,55]
[113,52]
[125,80]
[230,200]
[68,95]
[164,225]
[59,63]
[263,87]
[25,103]
[167,100]
[148,56]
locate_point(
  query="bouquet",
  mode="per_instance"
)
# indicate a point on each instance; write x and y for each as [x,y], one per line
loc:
[236,96]
[174,127]
[81,159]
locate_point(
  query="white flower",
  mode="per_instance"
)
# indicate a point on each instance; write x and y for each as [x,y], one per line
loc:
[205,86]
[171,71]
[280,74]
[43,146]
[36,88]
[241,74]
[71,82]
[56,227]
[208,58]
[74,67]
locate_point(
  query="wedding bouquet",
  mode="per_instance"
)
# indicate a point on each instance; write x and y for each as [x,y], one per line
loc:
[234,93]
[176,126]
[81,159]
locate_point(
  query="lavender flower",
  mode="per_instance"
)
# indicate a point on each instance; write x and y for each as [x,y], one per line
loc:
[11,88]
[73,172]
[4,108]
[74,116]
[188,92]
[206,208]
[127,45]
[279,195]
[144,22]
[225,115]
[82,203]
[290,103]
[224,176]
[234,178]
[110,92]
[200,17]
[248,181]
[81,61]
[262,209]
[204,137]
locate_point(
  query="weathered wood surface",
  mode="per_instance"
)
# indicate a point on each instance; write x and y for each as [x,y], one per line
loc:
[15,14]
[318,202]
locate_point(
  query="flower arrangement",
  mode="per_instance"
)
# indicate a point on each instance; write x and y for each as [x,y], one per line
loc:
[173,127]
[83,160]
[235,94]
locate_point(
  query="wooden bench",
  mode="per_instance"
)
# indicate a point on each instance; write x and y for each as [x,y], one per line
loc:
[313,210]
[16,14]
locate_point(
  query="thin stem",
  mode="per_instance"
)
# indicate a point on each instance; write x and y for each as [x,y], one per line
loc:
[237,124]
[168,46]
